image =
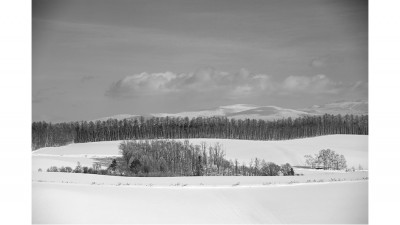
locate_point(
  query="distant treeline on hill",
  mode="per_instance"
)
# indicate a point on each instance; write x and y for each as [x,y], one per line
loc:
[47,134]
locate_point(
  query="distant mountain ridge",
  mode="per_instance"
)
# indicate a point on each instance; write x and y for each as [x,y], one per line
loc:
[244,111]
[359,107]
[118,117]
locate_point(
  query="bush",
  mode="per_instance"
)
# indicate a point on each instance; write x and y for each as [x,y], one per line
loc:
[91,171]
[270,169]
[68,169]
[85,169]
[39,170]
[102,172]
[113,165]
[287,170]
[135,166]
[52,169]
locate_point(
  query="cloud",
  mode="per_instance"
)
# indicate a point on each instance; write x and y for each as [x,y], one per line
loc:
[143,84]
[319,84]
[201,81]
[236,85]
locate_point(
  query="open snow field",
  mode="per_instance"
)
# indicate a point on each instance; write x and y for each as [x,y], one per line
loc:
[202,181]
[316,197]
[353,147]
[338,202]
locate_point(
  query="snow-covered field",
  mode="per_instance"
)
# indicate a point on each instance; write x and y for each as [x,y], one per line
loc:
[203,181]
[316,197]
[353,147]
[340,202]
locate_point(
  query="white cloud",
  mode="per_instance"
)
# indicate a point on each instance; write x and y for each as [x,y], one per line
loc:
[201,81]
[319,84]
[241,84]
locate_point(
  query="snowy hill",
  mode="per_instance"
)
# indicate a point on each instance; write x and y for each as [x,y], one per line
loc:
[118,117]
[321,203]
[353,147]
[249,111]
[244,111]
[267,113]
[219,111]
[241,111]
[340,107]
[62,197]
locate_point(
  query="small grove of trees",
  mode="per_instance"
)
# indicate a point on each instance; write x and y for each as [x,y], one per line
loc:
[48,134]
[326,159]
[175,158]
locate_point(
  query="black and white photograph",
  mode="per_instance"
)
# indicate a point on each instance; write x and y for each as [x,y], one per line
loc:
[200,112]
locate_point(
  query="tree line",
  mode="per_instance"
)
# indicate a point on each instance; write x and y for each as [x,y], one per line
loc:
[47,134]
[175,158]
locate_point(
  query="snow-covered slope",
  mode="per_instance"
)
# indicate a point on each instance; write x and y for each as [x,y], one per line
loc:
[340,107]
[244,111]
[241,111]
[267,113]
[333,203]
[219,111]
[87,198]
[309,176]
[118,117]
[353,147]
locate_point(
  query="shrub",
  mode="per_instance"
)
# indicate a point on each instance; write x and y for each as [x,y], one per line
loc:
[135,166]
[85,169]
[113,165]
[102,172]
[68,169]
[52,169]
[91,171]
[270,169]
[287,170]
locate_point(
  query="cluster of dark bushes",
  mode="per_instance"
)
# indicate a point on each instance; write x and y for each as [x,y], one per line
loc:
[47,134]
[95,169]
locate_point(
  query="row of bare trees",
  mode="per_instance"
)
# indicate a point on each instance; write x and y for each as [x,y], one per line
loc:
[47,134]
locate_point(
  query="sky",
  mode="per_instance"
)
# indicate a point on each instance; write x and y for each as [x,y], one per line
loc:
[97,58]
